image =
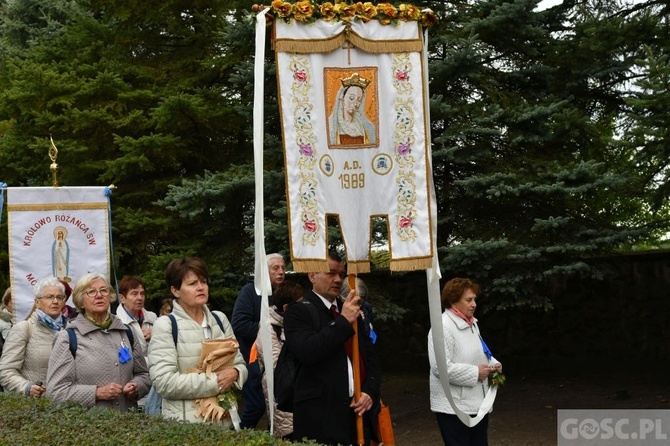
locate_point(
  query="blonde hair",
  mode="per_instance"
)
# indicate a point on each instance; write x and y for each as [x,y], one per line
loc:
[84,283]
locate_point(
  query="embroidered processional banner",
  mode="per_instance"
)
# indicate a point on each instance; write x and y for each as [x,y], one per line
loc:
[61,232]
[354,116]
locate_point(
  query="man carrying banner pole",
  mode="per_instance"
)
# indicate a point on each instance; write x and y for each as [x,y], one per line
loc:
[320,333]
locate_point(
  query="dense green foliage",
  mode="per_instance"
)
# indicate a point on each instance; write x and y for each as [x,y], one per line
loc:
[30,421]
[550,143]
[529,113]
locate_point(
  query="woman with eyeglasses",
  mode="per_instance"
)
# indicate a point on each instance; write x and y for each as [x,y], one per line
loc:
[97,361]
[23,366]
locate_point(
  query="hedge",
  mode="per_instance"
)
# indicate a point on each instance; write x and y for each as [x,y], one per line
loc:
[32,421]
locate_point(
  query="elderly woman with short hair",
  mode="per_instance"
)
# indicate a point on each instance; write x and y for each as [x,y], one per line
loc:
[469,363]
[99,363]
[23,366]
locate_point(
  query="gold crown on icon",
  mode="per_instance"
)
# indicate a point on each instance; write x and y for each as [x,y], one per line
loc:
[355,80]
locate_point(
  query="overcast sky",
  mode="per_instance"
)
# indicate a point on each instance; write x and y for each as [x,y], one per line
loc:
[544,4]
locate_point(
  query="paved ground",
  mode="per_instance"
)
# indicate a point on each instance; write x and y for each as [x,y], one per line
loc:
[525,409]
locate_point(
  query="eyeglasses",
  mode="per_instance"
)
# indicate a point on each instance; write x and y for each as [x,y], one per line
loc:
[52,297]
[104,292]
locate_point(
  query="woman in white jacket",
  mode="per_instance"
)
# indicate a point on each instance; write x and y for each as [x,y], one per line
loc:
[469,363]
[171,363]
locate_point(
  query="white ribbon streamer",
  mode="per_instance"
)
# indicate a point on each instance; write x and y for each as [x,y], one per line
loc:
[262,275]
[433,282]
[234,417]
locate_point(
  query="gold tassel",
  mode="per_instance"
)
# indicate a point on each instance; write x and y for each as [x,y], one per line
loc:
[358,267]
[410,264]
[385,46]
[310,46]
[311,266]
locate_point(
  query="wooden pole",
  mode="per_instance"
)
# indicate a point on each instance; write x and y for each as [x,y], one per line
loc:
[355,362]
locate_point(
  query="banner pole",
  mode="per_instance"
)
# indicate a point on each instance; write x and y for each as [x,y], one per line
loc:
[355,362]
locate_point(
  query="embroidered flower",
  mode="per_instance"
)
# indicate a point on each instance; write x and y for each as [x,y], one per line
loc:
[402,76]
[306,150]
[405,222]
[403,149]
[302,10]
[300,76]
[310,226]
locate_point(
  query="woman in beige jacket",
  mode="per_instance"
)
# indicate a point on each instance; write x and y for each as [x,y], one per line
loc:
[23,366]
[172,363]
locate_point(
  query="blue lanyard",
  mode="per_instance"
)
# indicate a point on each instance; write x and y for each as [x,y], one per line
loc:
[487,352]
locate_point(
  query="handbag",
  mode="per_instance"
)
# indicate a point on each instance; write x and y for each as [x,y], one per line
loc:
[385,426]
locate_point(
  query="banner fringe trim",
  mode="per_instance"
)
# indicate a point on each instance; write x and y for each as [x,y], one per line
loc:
[310,266]
[409,264]
[358,267]
[335,42]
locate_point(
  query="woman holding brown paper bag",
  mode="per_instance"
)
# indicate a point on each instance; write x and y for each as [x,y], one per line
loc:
[179,369]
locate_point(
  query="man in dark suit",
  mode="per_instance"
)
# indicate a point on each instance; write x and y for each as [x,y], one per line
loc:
[324,409]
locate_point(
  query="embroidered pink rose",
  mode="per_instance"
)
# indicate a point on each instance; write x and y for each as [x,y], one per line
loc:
[405,222]
[300,76]
[402,76]
[403,149]
[306,150]
[310,226]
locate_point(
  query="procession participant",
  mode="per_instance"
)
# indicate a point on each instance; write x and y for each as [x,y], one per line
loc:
[469,363]
[245,320]
[175,350]
[96,361]
[324,408]
[25,356]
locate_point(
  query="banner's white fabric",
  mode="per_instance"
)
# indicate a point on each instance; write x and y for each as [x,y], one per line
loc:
[62,232]
[354,127]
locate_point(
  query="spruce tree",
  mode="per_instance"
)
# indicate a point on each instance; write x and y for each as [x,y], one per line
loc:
[525,110]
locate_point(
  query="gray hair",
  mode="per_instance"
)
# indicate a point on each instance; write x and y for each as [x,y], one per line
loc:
[48,282]
[274,256]
[84,283]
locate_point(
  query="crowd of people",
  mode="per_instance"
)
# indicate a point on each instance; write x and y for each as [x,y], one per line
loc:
[185,361]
